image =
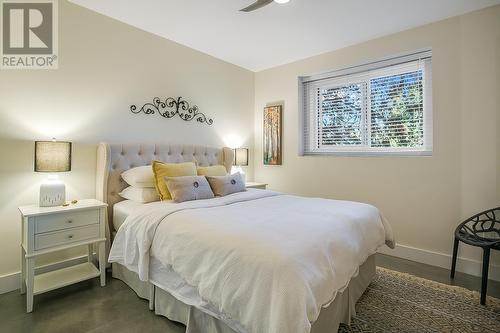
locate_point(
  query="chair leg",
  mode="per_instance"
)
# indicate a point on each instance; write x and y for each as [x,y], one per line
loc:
[454,259]
[484,278]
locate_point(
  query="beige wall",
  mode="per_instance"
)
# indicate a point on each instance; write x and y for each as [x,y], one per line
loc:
[104,67]
[424,198]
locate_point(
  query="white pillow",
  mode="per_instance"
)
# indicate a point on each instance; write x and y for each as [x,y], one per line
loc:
[140,177]
[138,194]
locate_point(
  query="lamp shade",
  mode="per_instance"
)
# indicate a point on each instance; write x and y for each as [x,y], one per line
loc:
[52,156]
[240,156]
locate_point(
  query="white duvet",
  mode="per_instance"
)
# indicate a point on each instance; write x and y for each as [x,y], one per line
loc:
[267,262]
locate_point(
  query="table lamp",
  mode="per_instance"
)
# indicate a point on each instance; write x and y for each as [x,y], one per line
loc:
[240,159]
[51,157]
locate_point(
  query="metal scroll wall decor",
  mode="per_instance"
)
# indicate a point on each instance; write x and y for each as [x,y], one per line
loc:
[172,107]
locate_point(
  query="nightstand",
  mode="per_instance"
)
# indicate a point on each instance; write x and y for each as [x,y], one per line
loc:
[260,186]
[50,229]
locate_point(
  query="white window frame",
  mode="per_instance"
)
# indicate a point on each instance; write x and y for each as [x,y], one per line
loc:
[308,126]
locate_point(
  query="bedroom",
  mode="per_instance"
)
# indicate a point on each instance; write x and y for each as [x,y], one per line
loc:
[236,67]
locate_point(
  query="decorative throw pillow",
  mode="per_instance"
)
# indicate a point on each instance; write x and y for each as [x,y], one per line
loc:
[140,177]
[162,170]
[138,194]
[225,185]
[214,170]
[188,188]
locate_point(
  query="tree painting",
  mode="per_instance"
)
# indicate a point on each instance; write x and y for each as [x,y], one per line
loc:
[272,135]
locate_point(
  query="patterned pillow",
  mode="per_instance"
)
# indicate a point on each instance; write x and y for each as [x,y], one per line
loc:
[187,188]
[225,185]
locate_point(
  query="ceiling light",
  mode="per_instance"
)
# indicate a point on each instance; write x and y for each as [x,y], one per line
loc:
[261,3]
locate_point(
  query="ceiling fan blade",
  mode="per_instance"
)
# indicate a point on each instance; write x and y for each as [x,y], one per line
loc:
[256,5]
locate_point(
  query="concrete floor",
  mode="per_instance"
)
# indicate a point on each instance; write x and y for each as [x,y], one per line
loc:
[83,307]
[86,307]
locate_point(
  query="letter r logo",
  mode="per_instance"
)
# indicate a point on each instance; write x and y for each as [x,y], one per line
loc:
[27,27]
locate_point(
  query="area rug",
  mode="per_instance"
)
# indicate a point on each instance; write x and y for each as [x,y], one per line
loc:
[400,302]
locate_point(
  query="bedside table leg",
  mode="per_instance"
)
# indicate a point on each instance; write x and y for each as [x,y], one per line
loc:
[90,255]
[102,263]
[23,271]
[30,279]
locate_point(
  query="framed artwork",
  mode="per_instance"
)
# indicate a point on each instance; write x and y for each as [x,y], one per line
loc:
[272,135]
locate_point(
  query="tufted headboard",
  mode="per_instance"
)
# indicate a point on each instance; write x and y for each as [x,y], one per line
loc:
[114,159]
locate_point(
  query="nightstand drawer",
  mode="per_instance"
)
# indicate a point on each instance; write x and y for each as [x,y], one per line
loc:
[72,235]
[46,223]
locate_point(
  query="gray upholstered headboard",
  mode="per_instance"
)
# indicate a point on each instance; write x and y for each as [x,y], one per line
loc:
[114,159]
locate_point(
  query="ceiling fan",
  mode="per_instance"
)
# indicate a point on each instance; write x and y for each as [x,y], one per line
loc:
[261,3]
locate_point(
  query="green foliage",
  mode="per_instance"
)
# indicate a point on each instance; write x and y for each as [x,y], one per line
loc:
[395,111]
[397,114]
[342,115]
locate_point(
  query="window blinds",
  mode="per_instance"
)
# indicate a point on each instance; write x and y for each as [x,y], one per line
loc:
[378,108]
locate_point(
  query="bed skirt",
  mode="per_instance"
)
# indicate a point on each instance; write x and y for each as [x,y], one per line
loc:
[339,311]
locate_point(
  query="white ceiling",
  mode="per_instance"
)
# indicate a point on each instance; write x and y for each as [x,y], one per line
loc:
[277,34]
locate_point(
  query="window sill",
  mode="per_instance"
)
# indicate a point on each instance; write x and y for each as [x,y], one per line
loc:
[371,154]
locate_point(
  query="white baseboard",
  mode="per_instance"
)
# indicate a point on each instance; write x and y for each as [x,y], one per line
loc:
[11,282]
[464,265]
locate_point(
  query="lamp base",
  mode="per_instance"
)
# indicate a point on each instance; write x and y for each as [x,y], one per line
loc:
[52,194]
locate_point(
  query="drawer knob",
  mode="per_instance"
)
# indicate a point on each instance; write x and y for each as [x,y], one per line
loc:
[70,221]
[70,236]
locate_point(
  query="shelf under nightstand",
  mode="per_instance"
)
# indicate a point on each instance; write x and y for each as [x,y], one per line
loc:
[64,277]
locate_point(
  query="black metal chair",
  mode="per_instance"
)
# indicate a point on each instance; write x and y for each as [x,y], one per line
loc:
[481,230]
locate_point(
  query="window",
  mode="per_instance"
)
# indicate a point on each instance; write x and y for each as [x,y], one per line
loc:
[378,108]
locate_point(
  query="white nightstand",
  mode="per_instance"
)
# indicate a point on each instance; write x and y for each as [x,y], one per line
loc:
[50,229]
[261,186]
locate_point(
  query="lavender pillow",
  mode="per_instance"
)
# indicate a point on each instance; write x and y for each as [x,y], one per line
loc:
[224,185]
[187,188]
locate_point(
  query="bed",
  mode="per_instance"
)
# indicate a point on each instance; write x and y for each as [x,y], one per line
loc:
[255,261]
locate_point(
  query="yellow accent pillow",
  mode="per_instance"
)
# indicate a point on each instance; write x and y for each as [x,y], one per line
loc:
[162,170]
[212,171]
